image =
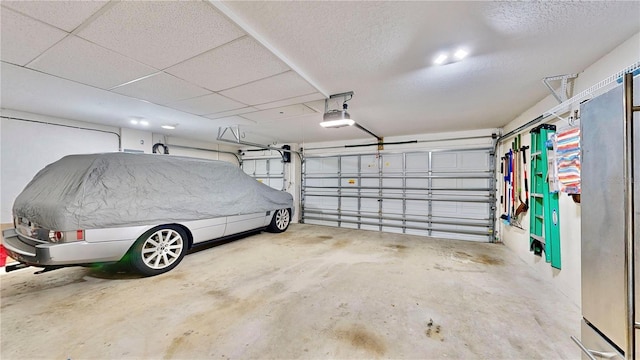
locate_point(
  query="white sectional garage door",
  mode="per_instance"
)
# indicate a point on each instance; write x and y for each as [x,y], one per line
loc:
[268,171]
[432,193]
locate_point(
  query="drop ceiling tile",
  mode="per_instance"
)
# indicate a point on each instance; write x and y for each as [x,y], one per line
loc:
[79,60]
[240,111]
[23,38]
[279,87]
[317,105]
[161,33]
[239,62]
[207,104]
[234,120]
[66,15]
[291,101]
[161,88]
[279,113]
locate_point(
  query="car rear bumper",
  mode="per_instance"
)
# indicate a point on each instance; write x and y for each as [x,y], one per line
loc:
[28,251]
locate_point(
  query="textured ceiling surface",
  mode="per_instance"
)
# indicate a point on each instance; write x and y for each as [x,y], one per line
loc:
[267,66]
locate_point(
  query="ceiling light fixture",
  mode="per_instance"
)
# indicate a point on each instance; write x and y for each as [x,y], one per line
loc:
[144,123]
[443,58]
[440,59]
[337,118]
[460,54]
[340,118]
[336,123]
[133,121]
[168,127]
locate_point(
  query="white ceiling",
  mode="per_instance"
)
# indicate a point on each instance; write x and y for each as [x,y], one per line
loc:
[268,65]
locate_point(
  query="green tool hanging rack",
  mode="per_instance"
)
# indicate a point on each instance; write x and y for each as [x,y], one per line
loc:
[545,215]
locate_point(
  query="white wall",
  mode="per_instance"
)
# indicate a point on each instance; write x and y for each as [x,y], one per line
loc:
[568,279]
[27,147]
[199,149]
[136,140]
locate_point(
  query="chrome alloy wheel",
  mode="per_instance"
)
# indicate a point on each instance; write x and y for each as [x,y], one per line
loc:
[162,249]
[282,219]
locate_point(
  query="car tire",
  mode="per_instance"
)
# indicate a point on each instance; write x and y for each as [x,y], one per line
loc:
[280,221]
[158,250]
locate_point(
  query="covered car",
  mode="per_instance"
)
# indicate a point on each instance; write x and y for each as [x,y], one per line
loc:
[147,210]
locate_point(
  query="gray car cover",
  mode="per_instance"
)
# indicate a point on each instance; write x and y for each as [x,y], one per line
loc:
[120,189]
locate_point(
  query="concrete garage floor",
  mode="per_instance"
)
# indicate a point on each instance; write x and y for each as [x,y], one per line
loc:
[313,292]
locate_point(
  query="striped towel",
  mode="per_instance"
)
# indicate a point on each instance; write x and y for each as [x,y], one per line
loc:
[568,160]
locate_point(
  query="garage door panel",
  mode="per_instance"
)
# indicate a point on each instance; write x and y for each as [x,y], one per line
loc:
[368,164]
[323,184]
[349,225]
[397,228]
[349,204]
[459,236]
[393,207]
[473,183]
[370,227]
[417,183]
[370,186]
[445,208]
[445,183]
[392,163]
[249,166]
[321,165]
[349,164]
[369,205]
[321,202]
[418,162]
[350,183]
[276,166]
[268,171]
[474,160]
[276,183]
[417,207]
[261,167]
[444,161]
[392,183]
[474,210]
[443,193]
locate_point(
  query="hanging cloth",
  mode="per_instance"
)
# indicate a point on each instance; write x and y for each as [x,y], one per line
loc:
[568,159]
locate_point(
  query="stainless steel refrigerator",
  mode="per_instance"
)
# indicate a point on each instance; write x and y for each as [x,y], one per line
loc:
[610,210]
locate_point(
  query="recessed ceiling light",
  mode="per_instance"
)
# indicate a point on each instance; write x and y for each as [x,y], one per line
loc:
[168,127]
[144,123]
[440,59]
[133,121]
[461,54]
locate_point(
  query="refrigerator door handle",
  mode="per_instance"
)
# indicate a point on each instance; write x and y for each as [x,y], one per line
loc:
[593,353]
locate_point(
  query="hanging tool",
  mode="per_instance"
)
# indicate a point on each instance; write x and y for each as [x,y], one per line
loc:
[502,173]
[518,176]
[524,206]
[515,177]
[506,182]
[510,181]
[513,183]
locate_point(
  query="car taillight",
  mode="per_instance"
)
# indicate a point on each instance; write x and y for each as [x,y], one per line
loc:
[66,236]
[56,236]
